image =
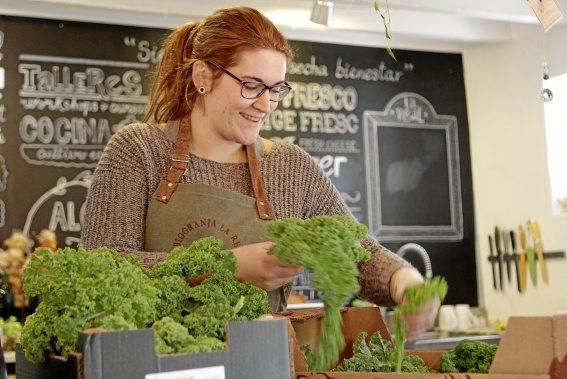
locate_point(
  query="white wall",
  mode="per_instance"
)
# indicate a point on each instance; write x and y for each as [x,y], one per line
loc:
[508,152]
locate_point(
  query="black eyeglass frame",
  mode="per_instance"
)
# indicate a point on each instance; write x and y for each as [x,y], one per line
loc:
[244,82]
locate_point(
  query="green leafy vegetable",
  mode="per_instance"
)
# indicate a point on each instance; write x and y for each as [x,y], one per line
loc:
[330,246]
[82,289]
[415,298]
[201,257]
[173,296]
[79,290]
[173,338]
[208,307]
[11,330]
[378,355]
[220,297]
[469,356]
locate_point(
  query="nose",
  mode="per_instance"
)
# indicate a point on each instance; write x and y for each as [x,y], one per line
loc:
[263,103]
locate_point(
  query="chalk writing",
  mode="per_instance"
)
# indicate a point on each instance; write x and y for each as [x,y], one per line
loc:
[64,218]
[331,165]
[318,145]
[382,73]
[286,139]
[323,97]
[148,52]
[63,130]
[63,209]
[90,84]
[353,201]
[310,68]
[59,84]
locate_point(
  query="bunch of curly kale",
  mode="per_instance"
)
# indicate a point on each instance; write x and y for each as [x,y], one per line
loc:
[378,355]
[330,247]
[469,356]
[82,289]
[415,298]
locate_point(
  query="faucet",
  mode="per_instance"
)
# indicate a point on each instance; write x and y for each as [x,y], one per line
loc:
[421,252]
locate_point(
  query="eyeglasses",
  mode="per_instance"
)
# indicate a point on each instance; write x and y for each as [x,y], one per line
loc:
[253,89]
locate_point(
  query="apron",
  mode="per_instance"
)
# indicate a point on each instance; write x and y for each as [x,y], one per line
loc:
[181,213]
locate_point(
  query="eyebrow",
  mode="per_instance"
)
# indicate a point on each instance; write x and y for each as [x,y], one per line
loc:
[261,81]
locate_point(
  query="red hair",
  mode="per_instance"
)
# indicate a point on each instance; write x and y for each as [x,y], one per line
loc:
[219,37]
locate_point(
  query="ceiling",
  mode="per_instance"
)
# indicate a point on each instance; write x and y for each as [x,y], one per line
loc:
[465,21]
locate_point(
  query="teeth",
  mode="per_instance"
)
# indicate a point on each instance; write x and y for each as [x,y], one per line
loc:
[251,118]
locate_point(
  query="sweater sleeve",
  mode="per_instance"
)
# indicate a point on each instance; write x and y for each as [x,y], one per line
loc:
[118,197]
[323,198]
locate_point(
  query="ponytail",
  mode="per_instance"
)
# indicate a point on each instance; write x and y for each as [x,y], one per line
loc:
[173,92]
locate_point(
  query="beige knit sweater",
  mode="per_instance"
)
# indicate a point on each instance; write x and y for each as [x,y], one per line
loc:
[138,156]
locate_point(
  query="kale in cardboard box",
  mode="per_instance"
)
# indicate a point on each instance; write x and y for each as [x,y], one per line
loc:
[256,349]
[531,347]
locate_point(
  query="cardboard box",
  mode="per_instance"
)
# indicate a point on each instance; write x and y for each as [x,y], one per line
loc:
[256,349]
[531,347]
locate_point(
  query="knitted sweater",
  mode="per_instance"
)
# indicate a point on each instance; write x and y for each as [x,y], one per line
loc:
[138,157]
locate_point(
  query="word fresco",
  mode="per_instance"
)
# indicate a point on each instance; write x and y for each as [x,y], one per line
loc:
[70,91]
[391,136]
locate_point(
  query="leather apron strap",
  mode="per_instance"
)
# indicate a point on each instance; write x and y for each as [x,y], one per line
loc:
[262,205]
[180,162]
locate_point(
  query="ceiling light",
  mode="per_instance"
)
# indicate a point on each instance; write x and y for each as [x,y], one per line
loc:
[322,12]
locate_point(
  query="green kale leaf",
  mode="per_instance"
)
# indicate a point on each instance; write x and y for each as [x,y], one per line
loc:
[330,247]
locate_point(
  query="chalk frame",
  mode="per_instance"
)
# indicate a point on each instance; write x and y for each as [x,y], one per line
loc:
[411,110]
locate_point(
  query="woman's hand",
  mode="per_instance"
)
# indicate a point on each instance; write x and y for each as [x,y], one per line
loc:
[256,266]
[422,319]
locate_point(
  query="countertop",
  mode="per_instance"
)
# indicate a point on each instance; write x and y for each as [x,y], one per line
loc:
[446,341]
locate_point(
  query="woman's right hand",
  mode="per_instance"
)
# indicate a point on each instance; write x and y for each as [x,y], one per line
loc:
[256,266]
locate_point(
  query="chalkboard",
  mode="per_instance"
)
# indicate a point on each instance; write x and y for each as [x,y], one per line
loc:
[66,88]
[392,136]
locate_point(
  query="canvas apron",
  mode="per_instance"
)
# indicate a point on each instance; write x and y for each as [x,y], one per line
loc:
[180,213]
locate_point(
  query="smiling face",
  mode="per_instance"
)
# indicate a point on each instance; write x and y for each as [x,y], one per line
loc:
[229,117]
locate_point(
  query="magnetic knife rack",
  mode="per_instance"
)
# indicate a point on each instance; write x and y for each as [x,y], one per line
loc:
[510,256]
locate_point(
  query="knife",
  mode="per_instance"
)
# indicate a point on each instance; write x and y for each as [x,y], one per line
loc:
[507,255]
[492,260]
[539,249]
[522,256]
[497,243]
[516,263]
[530,253]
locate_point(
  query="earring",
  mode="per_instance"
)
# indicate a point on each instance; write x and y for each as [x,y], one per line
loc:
[201,90]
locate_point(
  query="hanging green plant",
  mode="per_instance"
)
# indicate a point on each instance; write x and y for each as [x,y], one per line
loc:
[385,16]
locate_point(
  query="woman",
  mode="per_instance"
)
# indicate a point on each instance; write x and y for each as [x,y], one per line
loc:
[200,168]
